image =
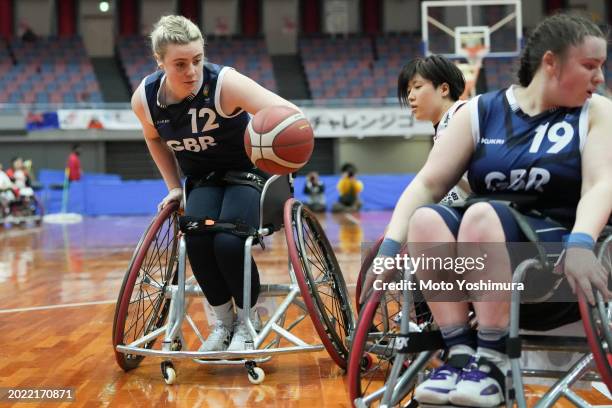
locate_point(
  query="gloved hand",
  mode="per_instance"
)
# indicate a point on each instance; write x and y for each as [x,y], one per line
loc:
[176,194]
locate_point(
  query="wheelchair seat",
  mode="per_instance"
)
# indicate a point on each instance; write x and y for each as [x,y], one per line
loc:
[276,191]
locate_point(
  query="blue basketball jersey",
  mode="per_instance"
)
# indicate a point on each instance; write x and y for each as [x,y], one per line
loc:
[202,136]
[535,156]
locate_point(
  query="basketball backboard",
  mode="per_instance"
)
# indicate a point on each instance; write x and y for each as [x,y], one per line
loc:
[449,27]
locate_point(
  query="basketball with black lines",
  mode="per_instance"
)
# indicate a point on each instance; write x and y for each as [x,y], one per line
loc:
[279,140]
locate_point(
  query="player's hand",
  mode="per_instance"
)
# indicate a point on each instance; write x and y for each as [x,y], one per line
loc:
[176,194]
[584,272]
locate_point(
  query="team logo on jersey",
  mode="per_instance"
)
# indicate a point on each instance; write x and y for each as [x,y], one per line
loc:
[205,90]
[532,179]
[192,144]
[492,141]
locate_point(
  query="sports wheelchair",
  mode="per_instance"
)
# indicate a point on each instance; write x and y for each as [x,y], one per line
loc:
[396,342]
[25,208]
[152,299]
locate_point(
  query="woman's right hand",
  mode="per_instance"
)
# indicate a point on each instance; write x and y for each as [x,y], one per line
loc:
[176,194]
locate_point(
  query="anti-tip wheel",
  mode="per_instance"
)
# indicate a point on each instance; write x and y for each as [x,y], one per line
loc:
[168,372]
[256,375]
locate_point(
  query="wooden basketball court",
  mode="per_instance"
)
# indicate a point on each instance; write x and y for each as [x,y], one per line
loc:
[58,288]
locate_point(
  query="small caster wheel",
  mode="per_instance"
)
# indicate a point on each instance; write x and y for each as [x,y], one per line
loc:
[366,362]
[177,345]
[168,372]
[256,375]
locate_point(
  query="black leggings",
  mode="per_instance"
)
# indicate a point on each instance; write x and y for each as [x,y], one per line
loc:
[217,259]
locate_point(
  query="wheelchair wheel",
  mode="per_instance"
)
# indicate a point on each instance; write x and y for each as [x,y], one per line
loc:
[372,350]
[320,280]
[36,209]
[365,266]
[142,306]
[597,321]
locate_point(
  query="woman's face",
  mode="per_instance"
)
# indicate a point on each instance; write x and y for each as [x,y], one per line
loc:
[183,66]
[580,72]
[425,100]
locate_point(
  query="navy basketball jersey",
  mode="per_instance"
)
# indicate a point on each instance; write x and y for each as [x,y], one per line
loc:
[202,136]
[535,156]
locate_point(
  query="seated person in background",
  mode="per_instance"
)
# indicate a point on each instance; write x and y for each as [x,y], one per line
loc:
[348,189]
[315,192]
[6,191]
[21,179]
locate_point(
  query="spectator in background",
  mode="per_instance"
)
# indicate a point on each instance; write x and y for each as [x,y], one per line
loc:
[28,35]
[315,192]
[349,189]
[74,164]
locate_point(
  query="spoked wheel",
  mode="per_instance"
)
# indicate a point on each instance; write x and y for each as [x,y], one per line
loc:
[372,350]
[142,306]
[34,208]
[320,280]
[365,266]
[597,321]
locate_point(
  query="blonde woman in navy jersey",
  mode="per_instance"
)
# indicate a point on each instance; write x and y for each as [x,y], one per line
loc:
[547,139]
[193,114]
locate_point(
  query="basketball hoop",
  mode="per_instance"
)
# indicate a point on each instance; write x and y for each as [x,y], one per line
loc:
[472,43]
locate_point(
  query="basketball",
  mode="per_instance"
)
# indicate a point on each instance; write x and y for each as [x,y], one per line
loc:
[279,140]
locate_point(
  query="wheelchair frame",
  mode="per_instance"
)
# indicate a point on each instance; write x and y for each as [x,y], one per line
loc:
[175,293]
[398,384]
[35,206]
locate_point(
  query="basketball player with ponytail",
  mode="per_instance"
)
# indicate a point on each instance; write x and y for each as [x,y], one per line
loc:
[547,139]
[194,114]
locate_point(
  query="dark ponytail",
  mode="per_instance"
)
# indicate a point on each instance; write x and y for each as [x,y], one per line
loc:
[555,33]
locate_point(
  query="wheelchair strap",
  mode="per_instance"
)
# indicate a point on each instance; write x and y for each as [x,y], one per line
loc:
[494,372]
[522,222]
[415,342]
[194,225]
[459,360]
[253,178]
[245,178]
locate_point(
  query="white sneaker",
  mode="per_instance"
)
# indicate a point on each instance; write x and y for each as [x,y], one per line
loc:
[218,339]
[436,388]
[241,332]
[479,386]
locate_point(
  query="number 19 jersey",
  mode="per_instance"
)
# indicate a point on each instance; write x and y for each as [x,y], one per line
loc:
[535,156]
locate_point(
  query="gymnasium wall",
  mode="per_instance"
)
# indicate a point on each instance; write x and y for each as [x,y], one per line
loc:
[125,153]
[37,14]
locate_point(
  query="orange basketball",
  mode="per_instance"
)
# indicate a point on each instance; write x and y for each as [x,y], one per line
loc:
[279,140]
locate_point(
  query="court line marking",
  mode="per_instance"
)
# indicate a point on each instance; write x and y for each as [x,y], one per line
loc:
[64,305]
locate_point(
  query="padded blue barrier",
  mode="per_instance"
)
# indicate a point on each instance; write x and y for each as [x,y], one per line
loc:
[107,194]
[380,191]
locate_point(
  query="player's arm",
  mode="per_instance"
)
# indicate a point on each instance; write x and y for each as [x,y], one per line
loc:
[444,167]
[595,204]
[580,266]
[162,156]
[241,92]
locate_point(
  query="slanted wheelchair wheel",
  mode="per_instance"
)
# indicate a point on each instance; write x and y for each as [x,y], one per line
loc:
[37,209]
[320,280]
[142,306]
[372,350]
[597,321]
